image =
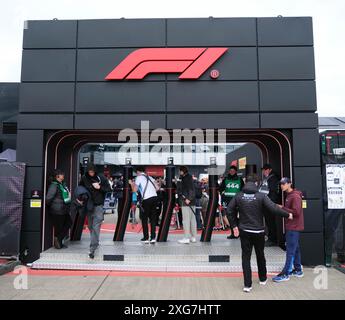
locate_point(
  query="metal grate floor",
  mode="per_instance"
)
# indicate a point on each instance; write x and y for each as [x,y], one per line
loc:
[168,256]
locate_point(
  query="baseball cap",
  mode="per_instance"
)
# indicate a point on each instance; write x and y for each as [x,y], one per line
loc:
[285,180]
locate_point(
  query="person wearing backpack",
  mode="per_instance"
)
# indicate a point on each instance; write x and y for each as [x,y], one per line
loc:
[58,201]
[148,188]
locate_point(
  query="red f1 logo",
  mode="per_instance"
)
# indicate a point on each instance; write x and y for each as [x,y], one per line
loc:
[190,62]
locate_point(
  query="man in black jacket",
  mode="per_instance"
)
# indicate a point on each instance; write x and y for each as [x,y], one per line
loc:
[187,197]
[118,190]
[251,205]
[97,187]
[198,195]
[271,187]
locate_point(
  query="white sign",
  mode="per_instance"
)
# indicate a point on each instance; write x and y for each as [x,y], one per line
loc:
[335,175]
[339,151]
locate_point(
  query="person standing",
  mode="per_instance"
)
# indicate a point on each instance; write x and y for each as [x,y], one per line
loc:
[294,205]
[187,195]
[198,195]
[249,226]
[98,187]
[118,191]
[58,201]
[147,187]
[270,186]
[231,185]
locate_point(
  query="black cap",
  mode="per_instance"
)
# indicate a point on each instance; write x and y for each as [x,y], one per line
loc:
[266,166]
[285,180]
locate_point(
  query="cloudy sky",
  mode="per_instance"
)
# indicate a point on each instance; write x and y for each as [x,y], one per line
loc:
[328,19]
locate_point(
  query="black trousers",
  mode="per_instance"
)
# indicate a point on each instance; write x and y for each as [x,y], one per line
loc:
[61,224]
[248,241]
[270,219]
[150,212]
[227,200]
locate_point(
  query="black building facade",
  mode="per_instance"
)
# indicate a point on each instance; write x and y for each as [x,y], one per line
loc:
[265,94]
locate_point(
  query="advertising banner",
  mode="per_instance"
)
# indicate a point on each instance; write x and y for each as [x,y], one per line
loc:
[335,184]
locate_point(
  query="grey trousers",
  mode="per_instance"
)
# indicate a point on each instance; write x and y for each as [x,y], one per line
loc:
[95,219]
[189,222]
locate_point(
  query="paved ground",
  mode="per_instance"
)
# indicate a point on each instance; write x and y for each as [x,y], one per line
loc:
[93,285]
[136,286]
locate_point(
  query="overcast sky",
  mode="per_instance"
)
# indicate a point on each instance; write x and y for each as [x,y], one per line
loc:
[328,21]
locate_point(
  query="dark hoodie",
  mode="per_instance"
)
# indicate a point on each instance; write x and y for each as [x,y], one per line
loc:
[251,205]
[97,195]
[293,204]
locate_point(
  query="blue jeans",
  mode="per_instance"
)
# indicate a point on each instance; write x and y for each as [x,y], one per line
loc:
[293,253]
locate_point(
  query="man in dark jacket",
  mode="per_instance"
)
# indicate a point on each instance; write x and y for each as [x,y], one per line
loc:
[187,199]
[270,186]
[294,205]
[198,195]
[97,187]
[230,186]
[58,200]
[251,204]
[118,190]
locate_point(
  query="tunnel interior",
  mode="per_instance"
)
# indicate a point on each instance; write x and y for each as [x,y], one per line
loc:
[62,150]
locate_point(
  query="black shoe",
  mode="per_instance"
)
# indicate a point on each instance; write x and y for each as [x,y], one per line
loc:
[57,243]
[91,255]
[231,237]
[64,246]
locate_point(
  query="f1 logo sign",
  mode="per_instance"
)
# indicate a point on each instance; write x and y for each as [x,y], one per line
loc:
[190,62]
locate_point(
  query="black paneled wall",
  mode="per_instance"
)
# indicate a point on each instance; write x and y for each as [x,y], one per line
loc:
[266,81]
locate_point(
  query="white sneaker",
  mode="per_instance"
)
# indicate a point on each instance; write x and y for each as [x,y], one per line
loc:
[184,241]
[153,241]
[193,240]
[263,283]
[247,289]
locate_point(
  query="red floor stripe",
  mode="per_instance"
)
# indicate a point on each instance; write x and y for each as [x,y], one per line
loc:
[110,228]
[4,261]
[33,272]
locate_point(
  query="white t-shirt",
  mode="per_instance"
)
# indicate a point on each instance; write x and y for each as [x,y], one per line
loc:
[141,182]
